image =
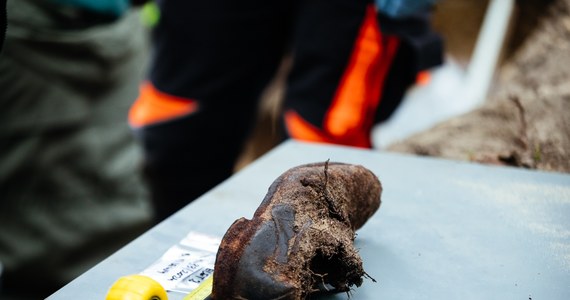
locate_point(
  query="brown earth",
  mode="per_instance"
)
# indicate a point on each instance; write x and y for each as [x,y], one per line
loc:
[526,120]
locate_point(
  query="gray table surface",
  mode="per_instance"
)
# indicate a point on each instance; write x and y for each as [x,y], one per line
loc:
[445,230]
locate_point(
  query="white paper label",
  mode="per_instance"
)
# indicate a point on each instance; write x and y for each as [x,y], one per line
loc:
[185,265]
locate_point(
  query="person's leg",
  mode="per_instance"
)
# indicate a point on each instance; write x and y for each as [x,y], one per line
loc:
[212,59]
[70,190]
[3,22]
[341,60]
[420,49]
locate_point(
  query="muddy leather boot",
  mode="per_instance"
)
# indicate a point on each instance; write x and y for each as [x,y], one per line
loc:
[300,239]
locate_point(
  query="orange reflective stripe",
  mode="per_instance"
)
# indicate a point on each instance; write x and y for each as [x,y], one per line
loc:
[153,106]
[350,116]
[423,78]
[300,129]
[350,102]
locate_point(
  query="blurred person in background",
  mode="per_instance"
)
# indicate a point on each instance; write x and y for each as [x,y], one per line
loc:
[3,21]
[70,192]
[351,66]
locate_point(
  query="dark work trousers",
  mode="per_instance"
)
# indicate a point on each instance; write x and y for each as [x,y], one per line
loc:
[211,61]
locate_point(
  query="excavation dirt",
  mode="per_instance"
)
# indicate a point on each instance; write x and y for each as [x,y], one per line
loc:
[526,120]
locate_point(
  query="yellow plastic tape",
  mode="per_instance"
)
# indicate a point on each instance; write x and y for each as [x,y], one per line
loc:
[202,291]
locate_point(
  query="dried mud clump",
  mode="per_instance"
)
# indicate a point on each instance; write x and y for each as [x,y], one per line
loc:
[300,239]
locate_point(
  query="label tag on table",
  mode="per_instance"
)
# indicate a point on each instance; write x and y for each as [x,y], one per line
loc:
[187,264]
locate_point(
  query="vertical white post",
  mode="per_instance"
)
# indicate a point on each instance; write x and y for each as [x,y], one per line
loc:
[485,56]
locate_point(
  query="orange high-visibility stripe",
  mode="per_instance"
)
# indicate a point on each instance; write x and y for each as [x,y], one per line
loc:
[300,129]
[423,78]
[350,116]
[154,106]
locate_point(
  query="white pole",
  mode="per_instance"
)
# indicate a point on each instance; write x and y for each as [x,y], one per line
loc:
[485,56]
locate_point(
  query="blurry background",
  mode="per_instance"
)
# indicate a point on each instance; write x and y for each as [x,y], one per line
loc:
[521,121]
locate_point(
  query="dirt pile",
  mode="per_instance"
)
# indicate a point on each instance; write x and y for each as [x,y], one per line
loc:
[526,120]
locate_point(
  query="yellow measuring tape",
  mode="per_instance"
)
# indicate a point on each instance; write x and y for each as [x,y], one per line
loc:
[202,291]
